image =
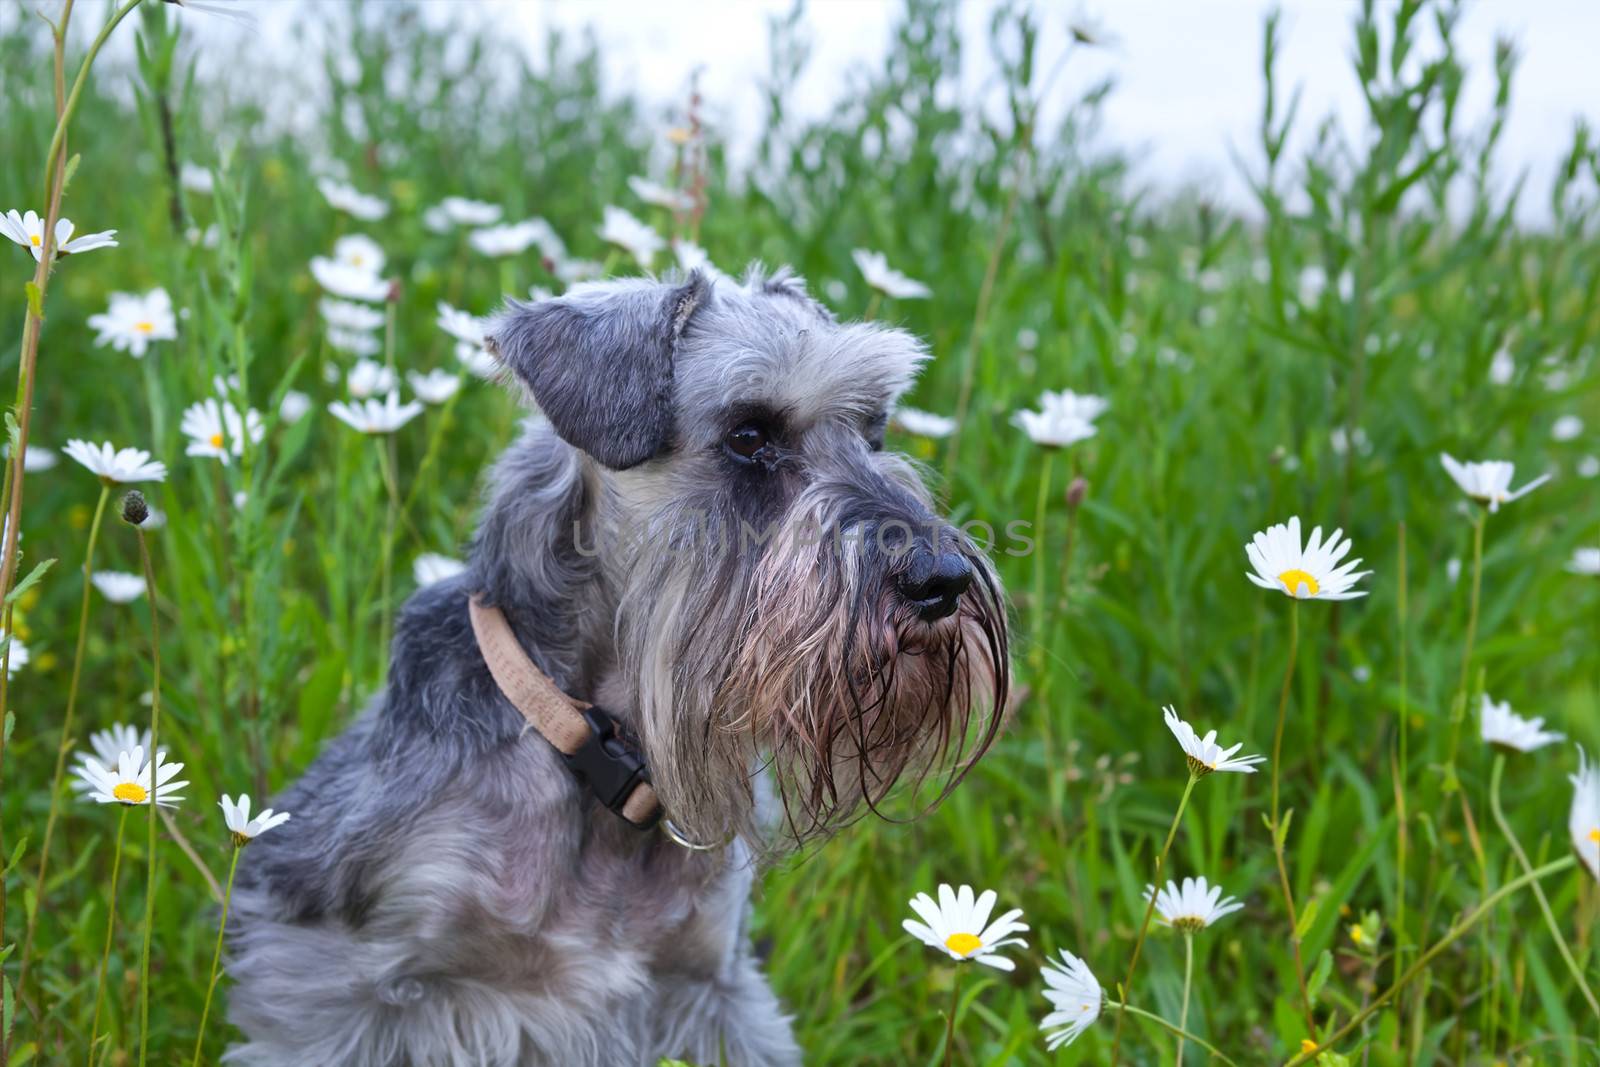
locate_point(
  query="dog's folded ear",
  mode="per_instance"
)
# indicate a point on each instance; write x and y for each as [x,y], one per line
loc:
[599,362]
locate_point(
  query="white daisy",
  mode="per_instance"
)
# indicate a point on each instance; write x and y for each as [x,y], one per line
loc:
[1063,418]
[345,315]
[469,331]
[369,378]
[1502,727]
[620,228]
[1076,996]
[130,783]
[513,239]
[1584,560]
[1502,368]
[353,342]
[923,423]
[479,361]
[435,387]
[432,567]
[372,416]
[16,655]
[241,825]
[1589,466]
[68,245]
[1566,428]
[658,195]
[216,429]
[460,325]
[210,237]
[1203,754]
[352,201]
[196,179]
[691,256]
[874,267]
[436,220]
[538,293]
[119,587]
[28,231]
[1192,906]
[464,212]
[39,458]
[352,283]
[1584,820]
[1310,573]
[958,925]
[118,466]
[577,270]
[134,320]
[361,252]
[105,745]
[1488,482]
[293,406]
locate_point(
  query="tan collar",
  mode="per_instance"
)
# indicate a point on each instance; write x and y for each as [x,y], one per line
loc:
[602,758]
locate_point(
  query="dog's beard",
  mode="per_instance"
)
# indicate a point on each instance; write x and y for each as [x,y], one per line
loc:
[803,662]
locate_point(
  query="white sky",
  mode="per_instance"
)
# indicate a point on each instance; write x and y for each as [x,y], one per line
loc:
[1188,71]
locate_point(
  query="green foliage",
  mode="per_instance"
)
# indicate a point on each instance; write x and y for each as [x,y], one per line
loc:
[1311,356]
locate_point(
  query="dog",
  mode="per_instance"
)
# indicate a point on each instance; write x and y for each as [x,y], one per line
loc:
[700,531]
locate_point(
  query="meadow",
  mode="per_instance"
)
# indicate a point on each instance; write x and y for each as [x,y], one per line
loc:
[1377,306]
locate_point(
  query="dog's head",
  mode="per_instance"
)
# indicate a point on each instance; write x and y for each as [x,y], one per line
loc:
[784,590]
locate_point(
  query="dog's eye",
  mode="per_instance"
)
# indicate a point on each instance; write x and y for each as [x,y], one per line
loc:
[745,440]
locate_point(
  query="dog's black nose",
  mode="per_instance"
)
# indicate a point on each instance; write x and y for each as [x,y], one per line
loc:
[934,582]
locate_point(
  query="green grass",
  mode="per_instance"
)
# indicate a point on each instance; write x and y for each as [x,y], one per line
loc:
[1228,381]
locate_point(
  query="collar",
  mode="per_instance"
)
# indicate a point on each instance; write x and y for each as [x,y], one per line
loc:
[596,749]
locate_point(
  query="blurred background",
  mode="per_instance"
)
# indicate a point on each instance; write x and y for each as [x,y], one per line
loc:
[1187,76]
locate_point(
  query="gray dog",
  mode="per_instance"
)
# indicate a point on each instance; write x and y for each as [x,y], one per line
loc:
[704,536]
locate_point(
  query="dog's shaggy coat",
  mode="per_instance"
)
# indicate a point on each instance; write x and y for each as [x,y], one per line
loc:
[446,892]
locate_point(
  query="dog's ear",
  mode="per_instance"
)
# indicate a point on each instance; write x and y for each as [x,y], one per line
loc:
[599,362]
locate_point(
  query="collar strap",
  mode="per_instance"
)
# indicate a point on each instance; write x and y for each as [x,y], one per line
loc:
[592,742]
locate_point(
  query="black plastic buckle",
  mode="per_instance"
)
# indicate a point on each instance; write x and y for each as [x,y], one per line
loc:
[609,763]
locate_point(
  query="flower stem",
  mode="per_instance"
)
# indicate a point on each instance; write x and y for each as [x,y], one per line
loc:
[1149,910]
[950,1018]
[155,786]
[1423,960]
[1181,1033]
[111,925]
[216,957]
[872,307]
[1399,767]
[66,738]
[1458,708]
[1038,604]
[390,514]
[1279,836]
[1538,890]
[1188,979]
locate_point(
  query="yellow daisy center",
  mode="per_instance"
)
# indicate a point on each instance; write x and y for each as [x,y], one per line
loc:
[36,239]
[1307,1045]
[130,793]
[144,327]
[357,261]
[1594,835]
[216,440]
[963,944]
[1292,580]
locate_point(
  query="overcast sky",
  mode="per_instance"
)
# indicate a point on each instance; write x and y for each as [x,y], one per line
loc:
[1188,73]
